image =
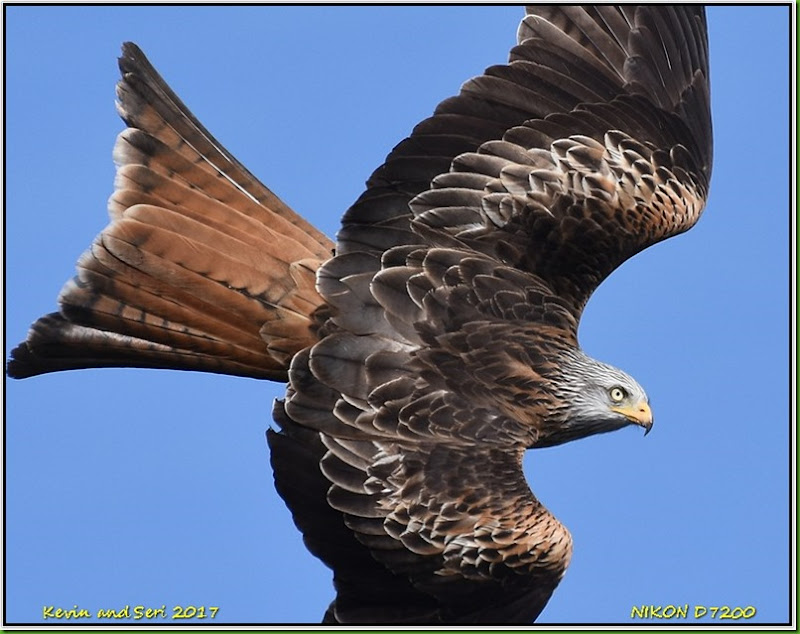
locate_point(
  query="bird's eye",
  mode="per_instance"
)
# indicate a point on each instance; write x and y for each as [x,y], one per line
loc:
[617,394]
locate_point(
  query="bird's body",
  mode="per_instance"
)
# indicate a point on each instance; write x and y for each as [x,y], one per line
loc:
[436,340]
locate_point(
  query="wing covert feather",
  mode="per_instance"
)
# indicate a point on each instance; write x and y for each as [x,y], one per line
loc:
[591,144]
[420,349]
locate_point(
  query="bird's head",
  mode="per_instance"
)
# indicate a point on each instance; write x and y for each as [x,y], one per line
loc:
[596,398]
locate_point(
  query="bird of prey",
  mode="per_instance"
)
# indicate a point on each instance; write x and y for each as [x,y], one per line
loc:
[435,340]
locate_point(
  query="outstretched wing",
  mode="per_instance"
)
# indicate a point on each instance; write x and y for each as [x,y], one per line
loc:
[408,410]
[506,208]
[571,195]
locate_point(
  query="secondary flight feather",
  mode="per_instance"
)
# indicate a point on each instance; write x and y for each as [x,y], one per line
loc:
[435,341]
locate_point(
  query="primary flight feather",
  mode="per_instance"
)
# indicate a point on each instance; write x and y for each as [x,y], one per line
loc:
[435,341]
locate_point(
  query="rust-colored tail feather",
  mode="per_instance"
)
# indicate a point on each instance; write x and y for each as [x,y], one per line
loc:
[201,268]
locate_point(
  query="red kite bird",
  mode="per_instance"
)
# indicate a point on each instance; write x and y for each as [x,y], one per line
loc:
[436,340]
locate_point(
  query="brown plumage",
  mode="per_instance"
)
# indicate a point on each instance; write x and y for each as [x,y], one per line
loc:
[436,340]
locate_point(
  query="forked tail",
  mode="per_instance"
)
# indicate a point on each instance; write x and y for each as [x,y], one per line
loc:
[201,267]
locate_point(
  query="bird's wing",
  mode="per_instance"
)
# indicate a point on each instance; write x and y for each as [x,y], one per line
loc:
[593,142]
[421,533]
[510,204]
[571,194]
[201,267]
[422,424]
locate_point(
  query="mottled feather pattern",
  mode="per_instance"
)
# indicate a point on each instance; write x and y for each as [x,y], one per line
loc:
[436,340]
[580,192]
[591,173]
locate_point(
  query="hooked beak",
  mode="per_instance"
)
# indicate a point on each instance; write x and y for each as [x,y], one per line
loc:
[640,413]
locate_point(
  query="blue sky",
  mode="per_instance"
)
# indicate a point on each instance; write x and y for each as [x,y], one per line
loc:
[153,488]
